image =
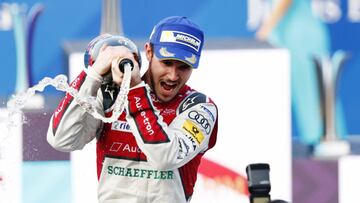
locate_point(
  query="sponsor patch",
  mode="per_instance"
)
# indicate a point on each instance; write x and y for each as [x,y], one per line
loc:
[192,100]
[180,38]
[200,119]
[118,146]
[193,130]
[183,149]
[120,126]
[209,112]
[140,173]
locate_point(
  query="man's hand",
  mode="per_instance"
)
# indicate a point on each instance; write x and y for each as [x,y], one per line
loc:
[118,76]
[108,60]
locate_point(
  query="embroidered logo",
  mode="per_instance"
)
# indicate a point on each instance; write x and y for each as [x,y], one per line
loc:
[191,59]
[195,133]
[183,38]
[165,53]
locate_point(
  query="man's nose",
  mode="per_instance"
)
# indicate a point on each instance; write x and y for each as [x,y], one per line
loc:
[173,73]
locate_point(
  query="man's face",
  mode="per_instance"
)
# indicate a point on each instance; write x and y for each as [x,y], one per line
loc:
[167,77]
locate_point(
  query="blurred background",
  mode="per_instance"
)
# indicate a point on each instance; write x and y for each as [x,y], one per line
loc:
[283,73]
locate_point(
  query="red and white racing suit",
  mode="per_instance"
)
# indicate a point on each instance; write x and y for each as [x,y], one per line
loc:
[151,153]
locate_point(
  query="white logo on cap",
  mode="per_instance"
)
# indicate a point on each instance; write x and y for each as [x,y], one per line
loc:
[165,53]
[191,59]
[180,38]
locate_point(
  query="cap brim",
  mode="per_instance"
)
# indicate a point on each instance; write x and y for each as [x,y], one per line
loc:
[174,53]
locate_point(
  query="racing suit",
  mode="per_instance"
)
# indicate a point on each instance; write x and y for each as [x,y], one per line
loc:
[151,153]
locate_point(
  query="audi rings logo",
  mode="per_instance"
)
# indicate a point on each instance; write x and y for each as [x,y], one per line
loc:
[199,118]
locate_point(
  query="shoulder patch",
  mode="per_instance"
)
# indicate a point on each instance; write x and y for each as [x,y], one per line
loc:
[109,92]
[191,100]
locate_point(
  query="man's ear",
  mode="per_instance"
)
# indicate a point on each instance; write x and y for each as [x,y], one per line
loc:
[148,51]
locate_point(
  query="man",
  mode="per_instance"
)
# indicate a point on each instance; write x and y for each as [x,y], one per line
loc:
[152,153]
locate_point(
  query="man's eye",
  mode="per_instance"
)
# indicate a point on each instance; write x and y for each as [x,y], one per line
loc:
[167,62]
[184,67]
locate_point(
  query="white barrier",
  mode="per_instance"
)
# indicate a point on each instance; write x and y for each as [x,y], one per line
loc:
[10,159]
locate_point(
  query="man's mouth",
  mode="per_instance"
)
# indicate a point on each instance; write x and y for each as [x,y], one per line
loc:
[168,86]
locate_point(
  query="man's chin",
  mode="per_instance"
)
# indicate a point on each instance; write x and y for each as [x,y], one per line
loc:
[165,97]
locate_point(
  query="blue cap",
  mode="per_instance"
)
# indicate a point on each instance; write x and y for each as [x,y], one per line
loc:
[178,38]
